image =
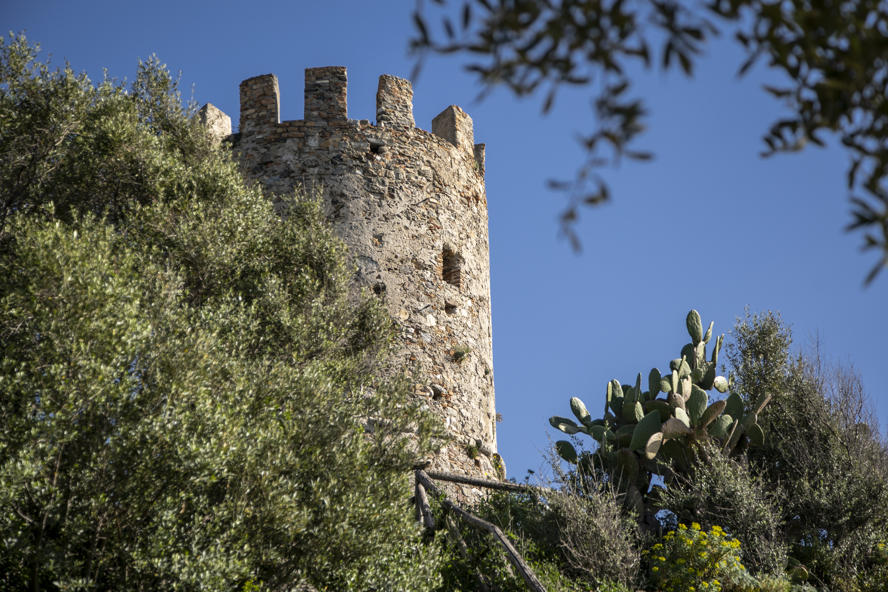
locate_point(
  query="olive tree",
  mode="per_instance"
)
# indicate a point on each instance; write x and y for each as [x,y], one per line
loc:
[191,394]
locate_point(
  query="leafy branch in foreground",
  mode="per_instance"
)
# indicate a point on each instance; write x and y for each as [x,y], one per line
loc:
[834,56]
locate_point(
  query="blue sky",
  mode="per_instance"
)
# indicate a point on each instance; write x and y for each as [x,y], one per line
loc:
[707,225]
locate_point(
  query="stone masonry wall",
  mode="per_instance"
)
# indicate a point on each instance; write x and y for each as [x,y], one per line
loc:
[411,206]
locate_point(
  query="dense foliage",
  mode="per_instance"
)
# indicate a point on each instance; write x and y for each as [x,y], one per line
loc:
[832,54]
[642,435]
[824,459]
[190,394]
[572,542]
[805,499]
[689,558]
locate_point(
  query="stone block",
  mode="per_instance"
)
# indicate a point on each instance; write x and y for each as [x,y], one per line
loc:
[326,94]
[218,124]
[454,125]
[260,103]
[394,101]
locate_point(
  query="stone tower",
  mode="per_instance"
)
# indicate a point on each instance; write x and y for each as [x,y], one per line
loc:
[411,206]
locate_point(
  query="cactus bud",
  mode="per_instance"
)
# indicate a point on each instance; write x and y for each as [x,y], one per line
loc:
[695,326]
[579,409]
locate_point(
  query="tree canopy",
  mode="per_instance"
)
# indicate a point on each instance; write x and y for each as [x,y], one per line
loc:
[833,56]
[192,395]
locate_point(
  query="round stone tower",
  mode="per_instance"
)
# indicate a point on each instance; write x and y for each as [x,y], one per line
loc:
[411,206]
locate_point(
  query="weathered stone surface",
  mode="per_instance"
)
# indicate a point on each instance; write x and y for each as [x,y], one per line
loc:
[260,103]
[394,101]
[326,94]
[218,124]
[454,125]
[411,206]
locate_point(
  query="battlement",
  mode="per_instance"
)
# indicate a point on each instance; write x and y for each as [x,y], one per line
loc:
[411,206]
[326,103]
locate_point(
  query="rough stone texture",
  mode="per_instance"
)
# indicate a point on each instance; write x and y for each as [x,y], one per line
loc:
[454,125]
[218,124]
[326,94]
[411,206]
[394,101]
[259,103]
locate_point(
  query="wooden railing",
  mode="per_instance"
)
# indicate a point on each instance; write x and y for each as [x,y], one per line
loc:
[424,483]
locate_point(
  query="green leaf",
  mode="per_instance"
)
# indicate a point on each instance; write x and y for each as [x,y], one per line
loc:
[734,406]
[682,416]
[719,428]
[648,426]
[579,410]
[568,426]
[653,446]
[695,326]
[674,428]
[654,383]
[712,412]
[696,404]
[756,435]
[566,451]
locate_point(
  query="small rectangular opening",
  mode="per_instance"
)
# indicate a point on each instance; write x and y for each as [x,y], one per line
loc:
[449,308]
[451,263]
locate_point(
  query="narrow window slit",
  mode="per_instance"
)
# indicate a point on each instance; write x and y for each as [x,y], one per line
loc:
[451,263]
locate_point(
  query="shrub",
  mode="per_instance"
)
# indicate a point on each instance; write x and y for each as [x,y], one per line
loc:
[598,539]
[571,542]
[823,457]
[185,377]
[721,490]
[689,560]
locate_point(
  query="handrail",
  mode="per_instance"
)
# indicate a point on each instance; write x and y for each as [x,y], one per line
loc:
[424,481]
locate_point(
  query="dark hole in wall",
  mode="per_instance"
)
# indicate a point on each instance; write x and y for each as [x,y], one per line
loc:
[377,147]
[449,308]
[451,263]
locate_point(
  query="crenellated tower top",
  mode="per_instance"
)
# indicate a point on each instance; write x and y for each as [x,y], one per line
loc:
[412,208]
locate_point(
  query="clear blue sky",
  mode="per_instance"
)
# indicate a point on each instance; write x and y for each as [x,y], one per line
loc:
[707,225]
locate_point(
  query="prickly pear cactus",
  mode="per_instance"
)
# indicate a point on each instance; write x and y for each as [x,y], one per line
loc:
[642,433]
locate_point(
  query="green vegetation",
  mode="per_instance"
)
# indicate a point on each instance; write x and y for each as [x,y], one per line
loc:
[824,459]
[641,435]
[192,399]
[802,490]
[571,543]
[190,395]
[795,503]
[692,559]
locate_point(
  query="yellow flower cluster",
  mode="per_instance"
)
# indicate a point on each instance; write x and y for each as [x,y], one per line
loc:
[690,558]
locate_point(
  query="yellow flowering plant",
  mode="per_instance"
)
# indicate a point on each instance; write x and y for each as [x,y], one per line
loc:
[690,559]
